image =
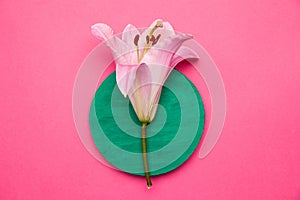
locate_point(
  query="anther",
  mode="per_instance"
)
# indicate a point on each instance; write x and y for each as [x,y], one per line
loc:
[152,39]
[156,40]
[136,39]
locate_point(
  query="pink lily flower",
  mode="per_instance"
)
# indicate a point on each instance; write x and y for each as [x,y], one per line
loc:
[143,63]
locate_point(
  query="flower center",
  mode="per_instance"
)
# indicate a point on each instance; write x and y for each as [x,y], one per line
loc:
[151,40]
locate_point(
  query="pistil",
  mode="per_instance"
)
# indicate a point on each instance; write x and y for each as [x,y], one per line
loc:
[150,39]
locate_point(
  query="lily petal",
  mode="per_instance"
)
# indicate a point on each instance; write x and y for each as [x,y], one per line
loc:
[102,31]
[163,52]
[120,50]
[169,27]
[183,53]
[165,31]
[140,93]
[125,76]
[158,59]
[155,101]
[128,35]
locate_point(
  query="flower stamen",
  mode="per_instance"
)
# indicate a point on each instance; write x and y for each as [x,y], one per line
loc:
[136,43]
[151,38]
[156,40]
[159,24]
[136,40]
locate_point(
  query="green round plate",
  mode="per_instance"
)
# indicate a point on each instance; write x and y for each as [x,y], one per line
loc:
[171,138]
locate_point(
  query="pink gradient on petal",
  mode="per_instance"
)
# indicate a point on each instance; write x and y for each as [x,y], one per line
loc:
[102,31]
[125,76]
[183,53]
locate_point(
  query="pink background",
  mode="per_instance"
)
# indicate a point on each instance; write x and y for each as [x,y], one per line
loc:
[256,45]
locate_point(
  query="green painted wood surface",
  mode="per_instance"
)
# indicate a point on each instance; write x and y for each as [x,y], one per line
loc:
[172,136]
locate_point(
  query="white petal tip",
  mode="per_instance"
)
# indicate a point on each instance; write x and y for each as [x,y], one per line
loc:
[190,36]
[102,31]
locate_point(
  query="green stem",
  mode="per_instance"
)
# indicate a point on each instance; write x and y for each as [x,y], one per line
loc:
[144,151]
